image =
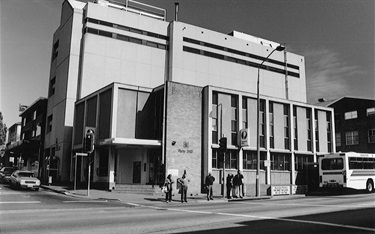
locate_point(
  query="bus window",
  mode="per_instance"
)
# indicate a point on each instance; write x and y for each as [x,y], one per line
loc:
[332,164]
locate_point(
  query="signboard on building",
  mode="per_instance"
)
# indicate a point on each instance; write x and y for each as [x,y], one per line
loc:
[244,137]
[280,190]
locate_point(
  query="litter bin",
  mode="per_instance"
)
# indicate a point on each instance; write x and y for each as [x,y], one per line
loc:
[49,180]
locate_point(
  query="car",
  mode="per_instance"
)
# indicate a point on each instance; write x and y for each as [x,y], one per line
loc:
[5,173]
[24,179]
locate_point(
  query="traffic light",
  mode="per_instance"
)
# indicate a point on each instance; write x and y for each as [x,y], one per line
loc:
[223,144]
[89,141]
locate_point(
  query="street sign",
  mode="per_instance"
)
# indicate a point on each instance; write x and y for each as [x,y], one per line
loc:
[244,137]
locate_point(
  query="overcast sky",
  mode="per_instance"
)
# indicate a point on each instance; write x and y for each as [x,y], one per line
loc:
[335,36]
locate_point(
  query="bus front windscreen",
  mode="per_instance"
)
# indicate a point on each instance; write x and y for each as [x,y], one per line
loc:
[332,164]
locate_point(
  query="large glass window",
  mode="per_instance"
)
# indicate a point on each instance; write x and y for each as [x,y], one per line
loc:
[370,111]
[295,137]
[231,159]
[301,160]
[352,138]
[49,123]
[338,138]
[244,112]
[351,115]
[329,131]
[234,118]
[272,129]
[316,131]
[280,162]
[286,127]
[262,120]
[309,133]
[371,136]
[214,116]
[332,164]
[250,160]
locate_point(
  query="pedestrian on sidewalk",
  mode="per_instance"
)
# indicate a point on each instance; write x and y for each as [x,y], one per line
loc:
[238,183]
[209,182]
[229,185]
[169,184]
[184,184]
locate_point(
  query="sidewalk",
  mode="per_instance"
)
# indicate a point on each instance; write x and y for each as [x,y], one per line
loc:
[96,194]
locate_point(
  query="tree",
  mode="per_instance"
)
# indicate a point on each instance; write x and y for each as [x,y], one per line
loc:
[3,131]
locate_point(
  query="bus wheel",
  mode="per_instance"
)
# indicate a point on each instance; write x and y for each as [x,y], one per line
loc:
[370,186]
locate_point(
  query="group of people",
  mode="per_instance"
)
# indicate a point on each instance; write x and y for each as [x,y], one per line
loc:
[234,185]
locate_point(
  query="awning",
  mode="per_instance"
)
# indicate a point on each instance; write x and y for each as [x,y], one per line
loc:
[24,147]
[130,142]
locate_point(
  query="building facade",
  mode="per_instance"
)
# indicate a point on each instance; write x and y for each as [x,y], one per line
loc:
[354,124]
[27,151]
[159,95]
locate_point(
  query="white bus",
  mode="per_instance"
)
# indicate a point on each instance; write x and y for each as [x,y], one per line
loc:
[350,170]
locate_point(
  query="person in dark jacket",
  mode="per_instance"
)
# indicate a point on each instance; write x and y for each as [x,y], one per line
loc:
[168,183]
[238,183]
[209,182]
[229,185]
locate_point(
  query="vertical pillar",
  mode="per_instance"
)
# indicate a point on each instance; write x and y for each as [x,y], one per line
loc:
[111,168]
[313,138]
[267,138]
[239,124]
[291,139]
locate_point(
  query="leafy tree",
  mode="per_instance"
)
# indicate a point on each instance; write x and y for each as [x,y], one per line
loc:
[3,130]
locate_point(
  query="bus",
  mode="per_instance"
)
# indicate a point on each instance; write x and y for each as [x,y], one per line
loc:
[348,170]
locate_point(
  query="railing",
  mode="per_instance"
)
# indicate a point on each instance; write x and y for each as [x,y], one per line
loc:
[137,8]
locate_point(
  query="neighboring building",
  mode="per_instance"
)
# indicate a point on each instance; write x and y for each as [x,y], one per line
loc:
[14,136]
[159,95]
[354,124]
[28,149]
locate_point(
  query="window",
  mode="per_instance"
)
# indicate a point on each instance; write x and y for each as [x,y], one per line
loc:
[244,112]
[370,111]
[351,115]
[55,50]
[280,162]
[231,159]
[295,137]
[316,131]
[301,160]
[309,133]
[352,138]
[286,127]
[234,119]
[250,160]
[215,133]
[332,164]
[338,138]
[272,129]
[371,136]
[329,131]
[49,123]
[262,123]
[51,90]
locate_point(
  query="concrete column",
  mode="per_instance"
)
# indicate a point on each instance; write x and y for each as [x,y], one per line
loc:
[111,168]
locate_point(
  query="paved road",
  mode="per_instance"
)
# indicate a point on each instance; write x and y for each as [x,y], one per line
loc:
[47,212]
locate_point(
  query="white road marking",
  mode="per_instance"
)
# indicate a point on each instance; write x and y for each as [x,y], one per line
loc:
[19,202]
[315,205]
[257,217]
[84,201]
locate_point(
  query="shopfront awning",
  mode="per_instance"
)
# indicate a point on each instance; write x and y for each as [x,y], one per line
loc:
[130,142]
[23,147]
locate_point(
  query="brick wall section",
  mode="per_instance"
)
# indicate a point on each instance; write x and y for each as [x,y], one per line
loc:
[184,126]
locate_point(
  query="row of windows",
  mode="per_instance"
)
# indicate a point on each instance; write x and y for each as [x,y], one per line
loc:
[352,138]
[354,114]
[126,38]
[210,45]
[236,60]
[126,28]
[279,161]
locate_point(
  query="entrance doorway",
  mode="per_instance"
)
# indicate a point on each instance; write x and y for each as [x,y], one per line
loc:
[137,172]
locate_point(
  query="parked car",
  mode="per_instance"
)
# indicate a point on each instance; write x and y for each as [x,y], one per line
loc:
[24,179]
[5,173]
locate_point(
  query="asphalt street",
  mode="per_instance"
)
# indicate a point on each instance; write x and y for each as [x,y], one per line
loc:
[24,211]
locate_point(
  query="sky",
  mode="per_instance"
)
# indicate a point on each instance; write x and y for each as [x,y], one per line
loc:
[336,37]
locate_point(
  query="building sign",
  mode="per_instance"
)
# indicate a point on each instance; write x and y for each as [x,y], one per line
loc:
[185,149]
[280,190]
[244,137]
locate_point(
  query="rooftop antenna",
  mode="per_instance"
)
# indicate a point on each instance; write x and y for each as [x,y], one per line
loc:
[176,6]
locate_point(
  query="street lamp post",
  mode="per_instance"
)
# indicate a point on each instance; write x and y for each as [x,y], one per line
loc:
[278,48]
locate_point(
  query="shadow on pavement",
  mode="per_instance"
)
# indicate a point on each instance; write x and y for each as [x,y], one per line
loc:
[350,221]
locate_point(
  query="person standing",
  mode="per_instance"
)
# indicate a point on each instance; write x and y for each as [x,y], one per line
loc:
[184,184]
[209,182]
[238,183]
[229,185]
[169,184]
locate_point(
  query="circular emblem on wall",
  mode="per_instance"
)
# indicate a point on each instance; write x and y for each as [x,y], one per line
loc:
[244,135]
